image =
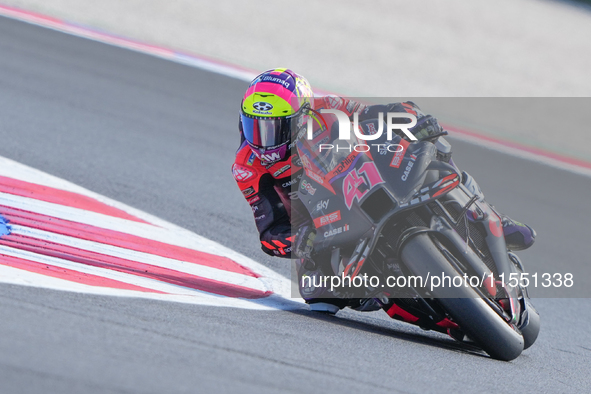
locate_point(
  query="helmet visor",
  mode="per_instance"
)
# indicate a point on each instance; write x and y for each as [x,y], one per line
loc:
[266,132]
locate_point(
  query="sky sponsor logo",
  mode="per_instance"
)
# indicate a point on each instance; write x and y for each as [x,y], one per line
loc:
[322,205]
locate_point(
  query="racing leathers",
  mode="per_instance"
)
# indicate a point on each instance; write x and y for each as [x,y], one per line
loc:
[268,186]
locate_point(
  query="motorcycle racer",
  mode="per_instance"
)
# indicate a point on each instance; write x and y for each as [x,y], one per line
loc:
[274,108]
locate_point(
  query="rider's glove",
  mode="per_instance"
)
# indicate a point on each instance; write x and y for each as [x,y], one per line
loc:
[304,243]
[426,126]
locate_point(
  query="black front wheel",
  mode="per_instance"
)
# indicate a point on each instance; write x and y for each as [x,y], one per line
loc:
[463,304]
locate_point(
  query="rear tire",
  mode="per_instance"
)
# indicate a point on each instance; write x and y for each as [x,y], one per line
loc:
[463,304]
[531,328]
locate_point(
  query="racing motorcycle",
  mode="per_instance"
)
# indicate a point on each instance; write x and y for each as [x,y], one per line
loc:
[402,211]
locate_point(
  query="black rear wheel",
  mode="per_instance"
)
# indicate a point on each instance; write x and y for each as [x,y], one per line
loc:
[531,328]
[463,304]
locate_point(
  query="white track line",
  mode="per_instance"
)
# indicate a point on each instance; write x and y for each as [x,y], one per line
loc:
[21,277]
[98,271]
[522,154]
[200,62]
[78,215]
[165,232]
[147,258]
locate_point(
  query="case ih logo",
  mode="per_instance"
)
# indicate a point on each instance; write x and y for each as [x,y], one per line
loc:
[241,174]
[336,231]
[327,219]
[262,106]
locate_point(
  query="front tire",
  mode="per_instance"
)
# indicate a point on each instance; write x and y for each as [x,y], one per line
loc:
[463,304]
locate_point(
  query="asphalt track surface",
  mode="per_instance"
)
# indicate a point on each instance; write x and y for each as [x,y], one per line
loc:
[161,137]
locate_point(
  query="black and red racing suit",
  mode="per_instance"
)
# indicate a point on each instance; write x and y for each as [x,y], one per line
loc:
[268,187]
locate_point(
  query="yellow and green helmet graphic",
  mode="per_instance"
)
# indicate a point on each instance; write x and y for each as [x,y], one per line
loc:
[278,92]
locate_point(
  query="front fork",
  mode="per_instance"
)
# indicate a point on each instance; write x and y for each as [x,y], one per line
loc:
[479,211]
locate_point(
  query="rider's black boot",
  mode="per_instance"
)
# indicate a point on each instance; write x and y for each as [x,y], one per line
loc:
[518,236]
